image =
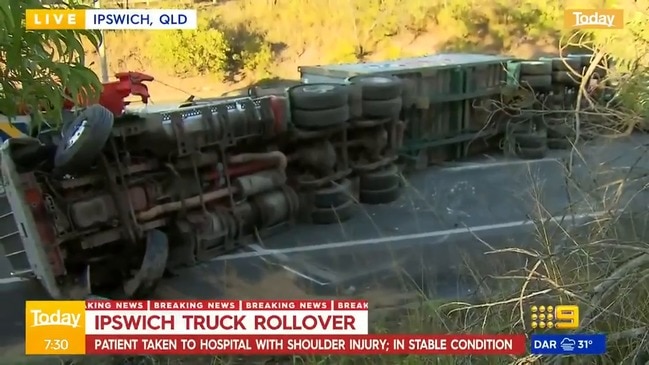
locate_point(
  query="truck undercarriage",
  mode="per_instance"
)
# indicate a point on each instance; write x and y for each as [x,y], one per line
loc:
[112,201]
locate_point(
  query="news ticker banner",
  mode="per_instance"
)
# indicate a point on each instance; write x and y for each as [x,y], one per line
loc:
[278,327]
[110,19]
[96,326]
[255,327]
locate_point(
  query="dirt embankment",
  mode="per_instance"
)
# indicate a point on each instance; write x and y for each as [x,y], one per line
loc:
[137,51]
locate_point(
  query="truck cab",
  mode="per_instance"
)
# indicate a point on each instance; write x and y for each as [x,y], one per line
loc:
[25,255]
[106,206]
[14,260]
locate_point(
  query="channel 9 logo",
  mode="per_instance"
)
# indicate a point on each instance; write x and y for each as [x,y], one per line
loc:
[561,317]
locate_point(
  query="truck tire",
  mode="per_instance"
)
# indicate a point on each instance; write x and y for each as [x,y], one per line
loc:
[531,153]
[529,140]
[379,87]
[543,82]
[564,63]
[559,144]
[383,196]
[83,139]
[314,119]
[384,178]
[153,266]
[565,78]
[560,131]
[382,108]
[333,215]
[318,96]
[529,68]
[584,59]
[335,195]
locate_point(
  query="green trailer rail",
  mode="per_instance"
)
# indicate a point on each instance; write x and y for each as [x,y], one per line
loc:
[436,90]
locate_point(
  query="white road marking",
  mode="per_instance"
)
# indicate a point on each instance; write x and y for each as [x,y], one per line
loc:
[259,251]
[256,247]
[482,166]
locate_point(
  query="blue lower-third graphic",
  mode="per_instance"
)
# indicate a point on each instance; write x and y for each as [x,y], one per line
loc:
[568,344]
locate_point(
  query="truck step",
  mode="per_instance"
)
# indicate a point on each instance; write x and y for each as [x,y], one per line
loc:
[9,235]
[9,254]
[27,274]
[13,258]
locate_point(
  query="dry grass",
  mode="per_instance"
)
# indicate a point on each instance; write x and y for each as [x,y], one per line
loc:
[601,265]
[311,32]
[315,32]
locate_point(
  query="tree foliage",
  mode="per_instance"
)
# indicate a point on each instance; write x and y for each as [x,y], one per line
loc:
[40,69]
[213,49]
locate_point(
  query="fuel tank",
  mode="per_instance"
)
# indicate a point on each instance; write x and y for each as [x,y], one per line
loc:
[204,123]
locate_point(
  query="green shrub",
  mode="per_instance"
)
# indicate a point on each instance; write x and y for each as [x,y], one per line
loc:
[343,51]
[250,53]
[213,49]
[628,49]
[257,60]
[192,52]
[39,68]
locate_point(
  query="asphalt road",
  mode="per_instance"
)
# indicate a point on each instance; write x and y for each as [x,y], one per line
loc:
[420,243]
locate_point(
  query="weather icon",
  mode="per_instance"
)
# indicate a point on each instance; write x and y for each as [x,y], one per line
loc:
[568,344]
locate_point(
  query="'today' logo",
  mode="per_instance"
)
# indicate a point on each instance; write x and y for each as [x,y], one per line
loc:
[57,318]
[49,322]
[594,18]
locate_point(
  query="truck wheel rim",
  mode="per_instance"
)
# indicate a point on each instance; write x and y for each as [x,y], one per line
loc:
[78,131]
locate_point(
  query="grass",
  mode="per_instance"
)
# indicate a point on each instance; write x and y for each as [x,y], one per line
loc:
[602,266]
[249,40]
[242,41]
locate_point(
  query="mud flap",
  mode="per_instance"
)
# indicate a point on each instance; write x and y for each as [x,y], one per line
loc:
[153,266]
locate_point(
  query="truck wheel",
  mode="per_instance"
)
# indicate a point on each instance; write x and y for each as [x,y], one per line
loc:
[536,81]
[531,140]
[565,78]
[560,131]
[383,196]
[382,108]
[563,63]
[559,144]
[318,96]
[83,139]
[154,263]
[313,119]
[584,59]
[379,87]
[334,196]
[384,178]
[536,68]
[332,215]
[531,153]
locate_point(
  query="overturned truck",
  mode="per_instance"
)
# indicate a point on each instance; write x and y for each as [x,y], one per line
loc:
[113,200]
